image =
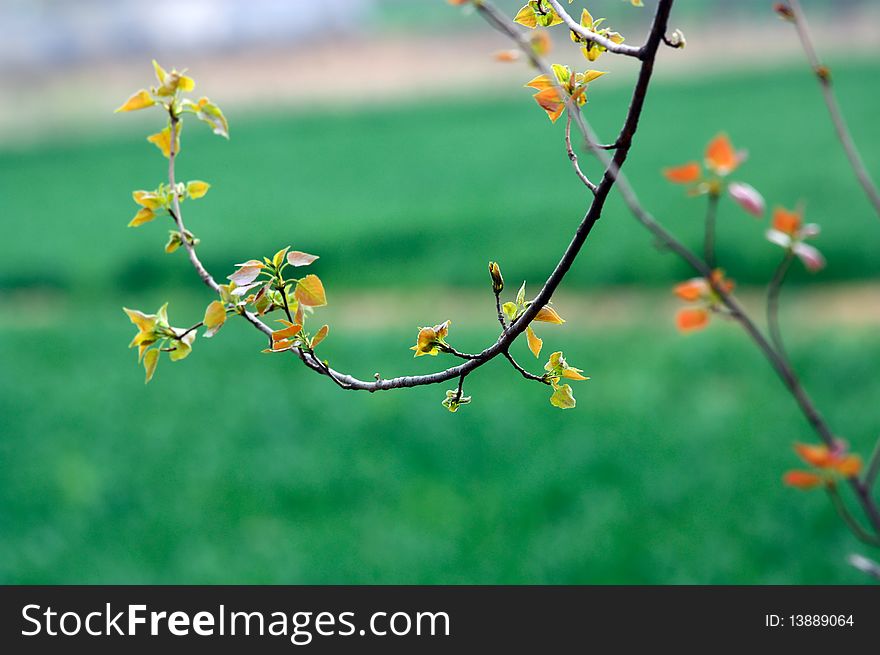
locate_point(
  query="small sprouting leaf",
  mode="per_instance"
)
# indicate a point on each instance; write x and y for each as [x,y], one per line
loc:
[297,258]
[278,257]
[182,347]
[144,215]
[290,330]
[197,189]
[162,140]
[562,397]
[207,111]
[310,292]
[160,73]
[521,295]
[151,360]
[215,316]
[320,335]
[548,315]
[246,273]
[139,100]
[526,17]
[535,342]
[174,241]
[510,310]
[453,400]
[148,199]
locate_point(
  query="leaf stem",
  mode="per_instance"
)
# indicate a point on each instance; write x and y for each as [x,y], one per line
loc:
[773,291]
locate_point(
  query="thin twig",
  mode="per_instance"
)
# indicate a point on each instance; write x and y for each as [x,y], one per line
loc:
[524,372]
[501,319]
[573,156]
[873,467]
[840,124]
[773,290]
[849,519]
[709,237]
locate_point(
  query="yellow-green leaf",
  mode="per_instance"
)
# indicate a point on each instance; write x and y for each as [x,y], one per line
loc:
[562,397]
[144,215]
[215,317]
[151,360]
[526,16]
[162,140]
[535,342]
[197,189]
[510,310]
[310,292]
[139,100]
[160,72]
[278,257]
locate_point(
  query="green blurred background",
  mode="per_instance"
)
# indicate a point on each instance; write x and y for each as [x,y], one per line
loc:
[407,167]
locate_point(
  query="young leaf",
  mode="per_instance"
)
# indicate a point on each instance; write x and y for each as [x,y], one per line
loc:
[320,335]
[510,310]
[151,359]
[310,292]
[526,17]
[297,258]
[291,330]
[162,140]
[139,100]
[144,215]
[196,189]
[278,257]
[548,315]
[535,342]
[215,316]
[521,295]
[562,397]
[246,273]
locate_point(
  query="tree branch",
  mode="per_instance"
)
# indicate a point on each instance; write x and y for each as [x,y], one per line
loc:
[840,126]
[608,44]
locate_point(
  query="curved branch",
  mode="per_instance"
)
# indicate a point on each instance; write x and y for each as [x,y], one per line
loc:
[608,44]
[623,142]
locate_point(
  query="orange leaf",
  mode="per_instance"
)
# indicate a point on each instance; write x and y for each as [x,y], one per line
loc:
[692,290]
[688,319]
[786,221]
[535,342]
[549,101]
[320,335]
[310,292]
[685,174]
[802,479]
[720,155]
[814,455]
[291,331]
[548,315]
[506,55]
[849,466]
[540,83]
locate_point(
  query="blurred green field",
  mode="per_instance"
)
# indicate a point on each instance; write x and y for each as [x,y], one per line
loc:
[235,467]
[239,467]
[426,193]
